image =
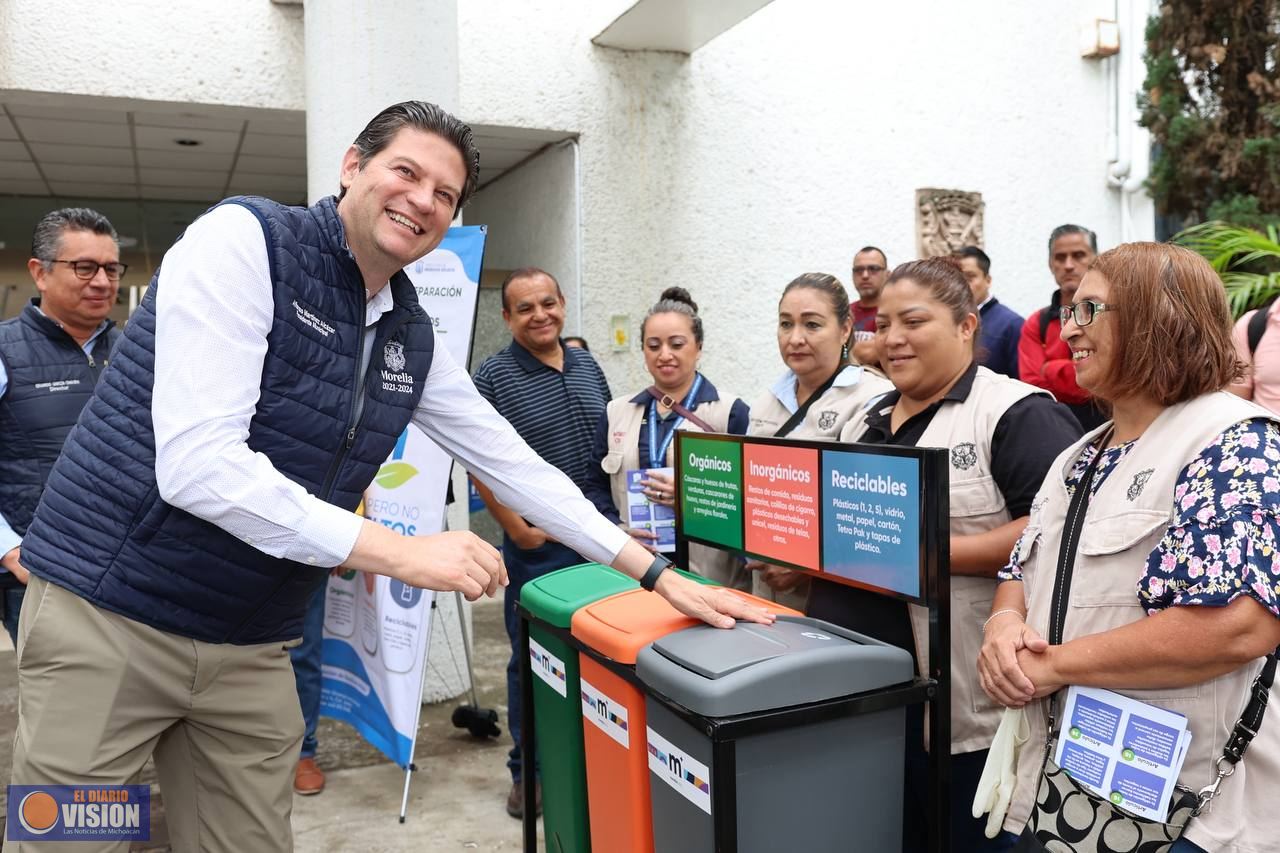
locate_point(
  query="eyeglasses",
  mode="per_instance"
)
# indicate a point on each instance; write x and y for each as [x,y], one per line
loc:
[1083,312]
[869,269]
[86,270]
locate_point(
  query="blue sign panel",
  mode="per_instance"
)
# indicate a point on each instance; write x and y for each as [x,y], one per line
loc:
[871,520]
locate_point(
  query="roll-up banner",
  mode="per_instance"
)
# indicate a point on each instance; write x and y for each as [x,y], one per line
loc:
[376,628]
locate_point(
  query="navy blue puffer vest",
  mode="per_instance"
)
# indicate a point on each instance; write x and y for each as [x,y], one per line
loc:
[103,531]
[49,381]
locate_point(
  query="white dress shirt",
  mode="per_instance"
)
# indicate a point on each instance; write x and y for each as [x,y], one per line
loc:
[214,310]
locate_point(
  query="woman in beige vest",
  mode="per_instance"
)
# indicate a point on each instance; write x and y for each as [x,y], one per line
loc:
[637,434]
[1176,574]
[1001,436]
[816,396]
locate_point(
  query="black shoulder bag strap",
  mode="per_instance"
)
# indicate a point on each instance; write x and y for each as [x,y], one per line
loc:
[1258,325]
[795,419]
[1259,692]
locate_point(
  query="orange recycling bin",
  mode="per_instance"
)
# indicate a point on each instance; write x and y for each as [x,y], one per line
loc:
[613,710]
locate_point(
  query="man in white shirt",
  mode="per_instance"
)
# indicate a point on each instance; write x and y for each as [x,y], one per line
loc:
[276,357]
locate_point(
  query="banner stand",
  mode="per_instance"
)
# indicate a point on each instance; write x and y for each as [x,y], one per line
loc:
[377,629]
[410,767]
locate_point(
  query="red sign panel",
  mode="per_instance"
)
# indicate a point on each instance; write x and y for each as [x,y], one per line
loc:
[780,494]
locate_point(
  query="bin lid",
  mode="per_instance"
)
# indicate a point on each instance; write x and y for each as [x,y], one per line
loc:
[795,661]
[554,597]
[619,626]
[622,624]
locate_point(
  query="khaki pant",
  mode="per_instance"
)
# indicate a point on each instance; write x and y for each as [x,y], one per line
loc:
[99,693]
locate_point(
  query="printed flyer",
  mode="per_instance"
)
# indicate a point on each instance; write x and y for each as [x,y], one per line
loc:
[1122,749]
[644,514]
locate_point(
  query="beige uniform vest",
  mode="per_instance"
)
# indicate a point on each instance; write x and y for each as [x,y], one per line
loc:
[976,506]
[623,454]
[1125,520]
[828,414]
[824,421]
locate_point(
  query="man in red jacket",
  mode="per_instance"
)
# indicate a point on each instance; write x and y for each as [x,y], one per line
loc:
[1044,360]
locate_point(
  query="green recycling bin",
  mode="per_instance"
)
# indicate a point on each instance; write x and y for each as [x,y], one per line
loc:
[551,601]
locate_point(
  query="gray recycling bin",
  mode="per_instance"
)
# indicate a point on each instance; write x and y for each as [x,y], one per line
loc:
[781,737]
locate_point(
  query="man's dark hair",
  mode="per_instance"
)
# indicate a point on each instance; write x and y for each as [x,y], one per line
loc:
[420,115]
[574,339]
[1064,230]
[984,262]
[526,272]
[48,233]
[884,259]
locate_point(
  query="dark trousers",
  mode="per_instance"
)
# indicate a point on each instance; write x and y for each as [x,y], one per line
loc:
[306,670]
[522,567]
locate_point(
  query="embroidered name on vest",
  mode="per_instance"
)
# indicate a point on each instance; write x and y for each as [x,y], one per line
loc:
[59,385]
[964,456]
[312,320]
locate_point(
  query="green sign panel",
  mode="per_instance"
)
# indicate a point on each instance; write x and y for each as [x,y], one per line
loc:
[710,474]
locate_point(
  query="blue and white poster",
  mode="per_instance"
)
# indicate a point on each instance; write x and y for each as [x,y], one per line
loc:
[871,519]
[376,628]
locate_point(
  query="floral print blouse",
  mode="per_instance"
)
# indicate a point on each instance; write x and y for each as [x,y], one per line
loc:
[1223,543]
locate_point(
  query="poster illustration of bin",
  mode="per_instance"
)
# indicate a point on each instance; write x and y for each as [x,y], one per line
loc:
[376,628]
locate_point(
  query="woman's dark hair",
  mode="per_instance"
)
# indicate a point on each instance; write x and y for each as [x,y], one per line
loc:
[829,286]
[1171,324]
[676,300]
[946,283]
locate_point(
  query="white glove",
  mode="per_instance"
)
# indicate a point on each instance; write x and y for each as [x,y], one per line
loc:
[995,788]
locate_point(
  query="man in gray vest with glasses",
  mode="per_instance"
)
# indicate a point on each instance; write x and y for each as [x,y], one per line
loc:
[51,356]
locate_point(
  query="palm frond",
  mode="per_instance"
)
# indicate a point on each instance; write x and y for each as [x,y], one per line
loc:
[1236,254]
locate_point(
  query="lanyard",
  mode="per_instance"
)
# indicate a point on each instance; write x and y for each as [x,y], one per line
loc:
[657,453]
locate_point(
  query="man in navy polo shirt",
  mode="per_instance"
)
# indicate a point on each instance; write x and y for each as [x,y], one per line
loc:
[554,396]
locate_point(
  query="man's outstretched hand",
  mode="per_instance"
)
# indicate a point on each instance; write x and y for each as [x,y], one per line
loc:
[456,560]
[712,604]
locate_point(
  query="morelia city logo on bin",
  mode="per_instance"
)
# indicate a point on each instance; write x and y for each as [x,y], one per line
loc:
[79,813]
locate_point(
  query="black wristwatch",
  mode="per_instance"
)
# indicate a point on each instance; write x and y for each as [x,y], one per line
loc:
[659,565]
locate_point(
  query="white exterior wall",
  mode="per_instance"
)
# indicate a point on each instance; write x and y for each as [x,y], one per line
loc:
[238,52]
[531,217]
[779,148]
[792,140]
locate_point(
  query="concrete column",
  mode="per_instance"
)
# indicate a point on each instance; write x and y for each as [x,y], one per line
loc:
[363,55]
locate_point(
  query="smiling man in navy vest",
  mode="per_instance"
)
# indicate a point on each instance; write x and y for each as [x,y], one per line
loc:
[211,481]
[51,356]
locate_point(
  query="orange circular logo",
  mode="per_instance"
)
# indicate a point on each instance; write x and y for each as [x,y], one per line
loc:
[38,812]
